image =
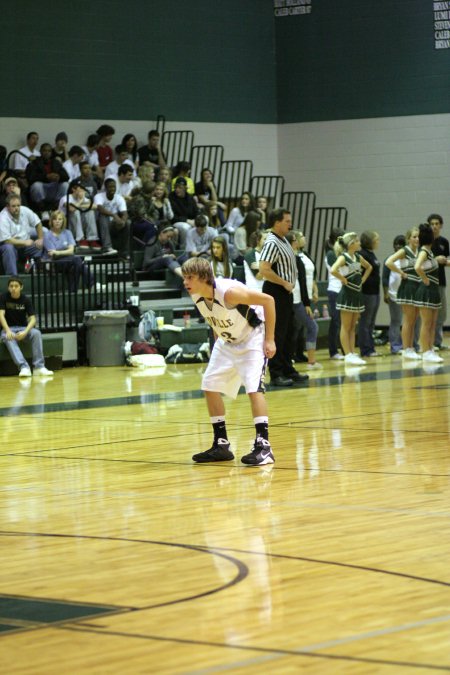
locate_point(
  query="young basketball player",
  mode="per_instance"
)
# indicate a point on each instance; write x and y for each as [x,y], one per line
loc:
[243,322]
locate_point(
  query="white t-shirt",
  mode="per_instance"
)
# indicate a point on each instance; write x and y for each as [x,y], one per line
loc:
[73,170]
[91,157]
[113,168]
[21,163]
[115,205]
[18,229]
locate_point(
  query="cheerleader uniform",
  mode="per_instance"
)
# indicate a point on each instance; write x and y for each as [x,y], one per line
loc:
[349,297]
[429,296]
[406,294]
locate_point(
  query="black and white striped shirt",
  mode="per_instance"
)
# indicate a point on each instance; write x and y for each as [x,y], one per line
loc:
[278,251]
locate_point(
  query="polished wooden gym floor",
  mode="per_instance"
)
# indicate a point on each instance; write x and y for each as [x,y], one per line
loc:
[119,555]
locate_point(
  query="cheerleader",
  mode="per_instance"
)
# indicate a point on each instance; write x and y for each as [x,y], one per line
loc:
[427,296]
[348,269]
[406,294]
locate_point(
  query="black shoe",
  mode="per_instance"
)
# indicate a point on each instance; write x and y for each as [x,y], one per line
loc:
[220,452]
[261,454]
[301,358]
[281,381]
[298,377]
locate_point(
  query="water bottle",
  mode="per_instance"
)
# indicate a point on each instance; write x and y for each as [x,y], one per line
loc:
[325,312]
[316,313]
[187,319]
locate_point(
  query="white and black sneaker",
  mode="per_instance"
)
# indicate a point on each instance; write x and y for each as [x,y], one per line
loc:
[219,452]
[261,454]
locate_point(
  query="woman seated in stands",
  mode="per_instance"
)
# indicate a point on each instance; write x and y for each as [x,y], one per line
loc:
[183,170]
[160,198]
[59,247]
[164,175]
[145,174]
[220,260]
[130,143]
[237,215]
[206,193]
[251,223]
[253,278]
[263,208]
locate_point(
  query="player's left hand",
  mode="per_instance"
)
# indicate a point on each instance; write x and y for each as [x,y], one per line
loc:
[269,348]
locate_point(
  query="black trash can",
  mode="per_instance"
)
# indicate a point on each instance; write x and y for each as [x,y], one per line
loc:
[106,331]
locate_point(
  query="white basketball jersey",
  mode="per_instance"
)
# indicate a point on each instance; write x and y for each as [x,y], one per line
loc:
[230,323]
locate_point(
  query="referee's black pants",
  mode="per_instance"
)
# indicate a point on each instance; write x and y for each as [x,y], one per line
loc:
[281,363]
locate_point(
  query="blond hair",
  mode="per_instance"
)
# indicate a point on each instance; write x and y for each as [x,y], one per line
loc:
[199,266]
[343,242]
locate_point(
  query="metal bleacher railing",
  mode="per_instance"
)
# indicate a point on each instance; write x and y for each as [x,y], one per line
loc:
[60,309]
[177,146]
[324,219]
[268,186]
[206,156]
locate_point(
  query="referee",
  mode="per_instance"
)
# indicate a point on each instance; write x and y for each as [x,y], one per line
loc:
[279,268]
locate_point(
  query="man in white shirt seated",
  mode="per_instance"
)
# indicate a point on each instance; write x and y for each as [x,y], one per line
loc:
[125,183]
[21,234]
[27,153]
[76,155]
[112,169]
[112,219]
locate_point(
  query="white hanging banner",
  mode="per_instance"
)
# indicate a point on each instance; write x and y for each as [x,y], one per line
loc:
[291,7]
[441,24]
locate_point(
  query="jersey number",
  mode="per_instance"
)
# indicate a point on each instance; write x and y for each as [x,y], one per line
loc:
[227,337]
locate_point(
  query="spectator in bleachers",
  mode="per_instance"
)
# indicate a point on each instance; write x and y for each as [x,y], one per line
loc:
[215,220]
[183,170]
[48,180]
[59,150]
[145,174]
[26,154]
[59,248]
[18,321]
[206,193]
[333,288]
[3,163]
[220,260]
[112,169]
[11,187]
[151,153]
[237,215]
[81,217]
[164,175]
[112,219]
[250,224]
[143,213]
[199,238]
[161,253]
[105,132]
[253,277]
[263,208]
[162,204]
[72,165]
[87,179]
[91,155]
[129,142]
[184,209]
[21,234]
[125,181]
